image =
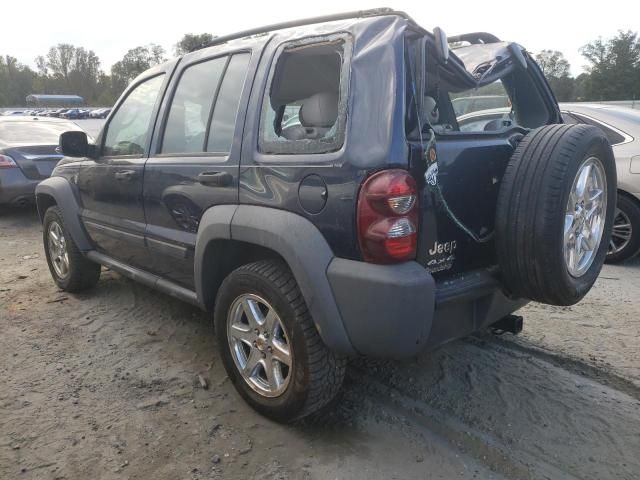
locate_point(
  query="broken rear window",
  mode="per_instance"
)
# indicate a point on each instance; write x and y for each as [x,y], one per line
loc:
[482,89]
[304,109]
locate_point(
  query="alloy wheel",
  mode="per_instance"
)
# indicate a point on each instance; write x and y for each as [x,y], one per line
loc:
[585,217]
[58,253]
[259,345]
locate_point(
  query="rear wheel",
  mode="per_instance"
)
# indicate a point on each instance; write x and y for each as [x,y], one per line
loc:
[270,347]
[71,271]
[625,237]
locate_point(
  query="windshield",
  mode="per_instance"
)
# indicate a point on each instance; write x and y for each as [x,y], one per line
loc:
[486,93]
[15,134]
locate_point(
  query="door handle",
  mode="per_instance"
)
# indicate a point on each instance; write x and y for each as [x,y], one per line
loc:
[125,175]
[217,179]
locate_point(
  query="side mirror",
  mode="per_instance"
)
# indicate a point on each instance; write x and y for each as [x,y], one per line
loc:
[74,144]
[442,44]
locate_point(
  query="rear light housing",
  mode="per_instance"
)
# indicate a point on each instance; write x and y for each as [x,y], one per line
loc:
[387,217]
[7,162]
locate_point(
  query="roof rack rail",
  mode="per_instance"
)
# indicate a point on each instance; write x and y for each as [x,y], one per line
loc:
[375,12]
[474,38]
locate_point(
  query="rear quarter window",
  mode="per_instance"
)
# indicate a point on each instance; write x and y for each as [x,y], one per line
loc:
[613,136]
[304,107]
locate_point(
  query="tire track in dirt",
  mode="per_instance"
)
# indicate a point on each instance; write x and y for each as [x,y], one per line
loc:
[521,415]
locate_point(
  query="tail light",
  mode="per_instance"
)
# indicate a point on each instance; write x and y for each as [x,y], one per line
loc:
[7,162]
[388,217]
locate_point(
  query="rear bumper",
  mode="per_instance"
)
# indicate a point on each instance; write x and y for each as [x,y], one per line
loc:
[15,188]
[397,311]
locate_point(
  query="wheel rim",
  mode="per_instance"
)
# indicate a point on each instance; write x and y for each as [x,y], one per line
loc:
[259,345]
[585,217]
[58,253]
[621,233]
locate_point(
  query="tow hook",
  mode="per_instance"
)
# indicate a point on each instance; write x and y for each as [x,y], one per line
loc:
[510,323]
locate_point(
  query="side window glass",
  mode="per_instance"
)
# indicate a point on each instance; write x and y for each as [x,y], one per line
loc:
[613,136]
[225,111]
[568,118]
[304,108]
[191,107]
[483,109]
[128,130]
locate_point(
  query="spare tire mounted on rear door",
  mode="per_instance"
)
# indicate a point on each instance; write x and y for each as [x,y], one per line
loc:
[555,212]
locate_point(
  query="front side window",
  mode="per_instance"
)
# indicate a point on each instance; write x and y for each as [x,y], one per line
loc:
[304,106]
[128,130]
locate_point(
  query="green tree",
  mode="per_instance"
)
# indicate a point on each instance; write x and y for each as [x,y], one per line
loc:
[134,62]
[16,81]
[614,67]
[557,70]
[191,42]
[67,69]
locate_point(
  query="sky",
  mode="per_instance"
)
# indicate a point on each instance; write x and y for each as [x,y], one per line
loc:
[30,27]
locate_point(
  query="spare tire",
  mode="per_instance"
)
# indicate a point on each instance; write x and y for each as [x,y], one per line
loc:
[555,213]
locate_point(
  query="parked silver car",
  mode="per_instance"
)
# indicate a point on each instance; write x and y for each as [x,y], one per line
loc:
[622,126]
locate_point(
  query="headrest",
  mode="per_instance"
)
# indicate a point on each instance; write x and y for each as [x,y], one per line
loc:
[431,110]
[319,110]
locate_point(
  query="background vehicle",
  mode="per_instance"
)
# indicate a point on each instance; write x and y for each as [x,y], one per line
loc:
[462,105]
[74,114]
[99,113]
[56,112]
[29,152]
[384,235]
[622,127]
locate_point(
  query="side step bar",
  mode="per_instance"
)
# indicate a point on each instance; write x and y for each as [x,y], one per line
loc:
[145,278]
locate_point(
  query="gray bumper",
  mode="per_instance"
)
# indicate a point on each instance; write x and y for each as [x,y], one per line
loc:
[387,310]
[15,187]
[399,310]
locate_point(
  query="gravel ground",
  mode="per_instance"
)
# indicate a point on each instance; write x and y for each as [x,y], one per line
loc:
[105,385]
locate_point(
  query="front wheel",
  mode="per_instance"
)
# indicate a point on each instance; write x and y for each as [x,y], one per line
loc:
[270,347]
[71,271]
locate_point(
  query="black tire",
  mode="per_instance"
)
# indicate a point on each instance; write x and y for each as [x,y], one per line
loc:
[317,373]
[531,210]
[629,214]
[82,274]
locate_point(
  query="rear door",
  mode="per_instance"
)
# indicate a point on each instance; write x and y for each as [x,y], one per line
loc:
[196,156]
[110,185]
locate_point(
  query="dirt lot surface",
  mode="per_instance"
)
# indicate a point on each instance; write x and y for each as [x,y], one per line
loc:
[105,385]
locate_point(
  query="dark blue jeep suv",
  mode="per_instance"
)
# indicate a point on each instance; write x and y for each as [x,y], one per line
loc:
[310,185]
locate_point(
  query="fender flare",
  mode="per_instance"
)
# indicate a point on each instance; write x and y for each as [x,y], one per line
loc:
[297,241]
[61,191]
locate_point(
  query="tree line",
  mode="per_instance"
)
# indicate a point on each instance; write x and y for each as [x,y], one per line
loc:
[67,69]
[612,71]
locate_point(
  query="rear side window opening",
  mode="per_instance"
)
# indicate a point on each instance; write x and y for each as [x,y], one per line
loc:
[304,108]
